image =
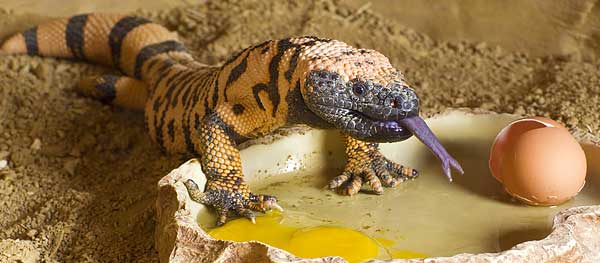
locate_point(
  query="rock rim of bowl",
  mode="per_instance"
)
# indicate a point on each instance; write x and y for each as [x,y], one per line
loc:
[179,237]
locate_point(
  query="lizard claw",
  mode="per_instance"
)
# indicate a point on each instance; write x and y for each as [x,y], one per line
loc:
[232,201]
[277,207]
[223,214]
[247,213]
[264,203]
[376,171]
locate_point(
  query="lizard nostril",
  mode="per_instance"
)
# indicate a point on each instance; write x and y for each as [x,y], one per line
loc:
[395,103]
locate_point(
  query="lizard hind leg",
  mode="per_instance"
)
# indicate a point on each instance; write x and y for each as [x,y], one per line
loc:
[122,91]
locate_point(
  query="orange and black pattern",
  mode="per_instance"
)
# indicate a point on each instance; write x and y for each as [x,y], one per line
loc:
[205,110]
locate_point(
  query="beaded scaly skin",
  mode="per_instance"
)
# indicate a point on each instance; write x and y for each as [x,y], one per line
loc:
[207,111]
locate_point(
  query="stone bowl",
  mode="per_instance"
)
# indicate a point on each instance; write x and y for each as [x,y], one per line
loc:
[567,233]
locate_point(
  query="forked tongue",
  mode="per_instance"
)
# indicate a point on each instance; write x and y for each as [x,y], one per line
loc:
[419,128]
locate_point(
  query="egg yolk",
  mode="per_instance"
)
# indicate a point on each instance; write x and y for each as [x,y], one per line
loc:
[309,242]
[395,253]
[326,241]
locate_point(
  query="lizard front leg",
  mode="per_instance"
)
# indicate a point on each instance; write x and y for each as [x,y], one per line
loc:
[366,164]
[226,190]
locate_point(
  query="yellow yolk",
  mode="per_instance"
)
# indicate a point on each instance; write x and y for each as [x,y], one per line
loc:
[328,241]
[400,254]
[306,242]
[267,230]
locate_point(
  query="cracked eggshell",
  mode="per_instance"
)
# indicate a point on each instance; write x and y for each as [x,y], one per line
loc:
[546,166]
[506,138]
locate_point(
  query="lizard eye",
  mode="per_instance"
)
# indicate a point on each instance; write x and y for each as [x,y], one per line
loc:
[359,88]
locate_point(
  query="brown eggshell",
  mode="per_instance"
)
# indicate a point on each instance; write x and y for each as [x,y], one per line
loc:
[547,166]
[507,137]
[548,122]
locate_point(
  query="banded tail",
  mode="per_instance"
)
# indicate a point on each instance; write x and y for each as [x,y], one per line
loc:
[124,42]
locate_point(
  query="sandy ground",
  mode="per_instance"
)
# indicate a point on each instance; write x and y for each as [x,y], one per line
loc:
[80,179]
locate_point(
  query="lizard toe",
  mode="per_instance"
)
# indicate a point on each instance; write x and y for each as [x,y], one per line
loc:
[228,202]
[400,172]
[247,213]
[348,183]
[263,203]
[376,171]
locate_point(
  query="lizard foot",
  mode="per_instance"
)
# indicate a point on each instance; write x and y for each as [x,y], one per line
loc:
[376,171]
[232,201]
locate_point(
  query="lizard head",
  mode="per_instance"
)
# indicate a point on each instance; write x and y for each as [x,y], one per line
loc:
[360,93]
[363,95]
[362,107]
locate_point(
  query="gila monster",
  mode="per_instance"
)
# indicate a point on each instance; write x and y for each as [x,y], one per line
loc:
[207,110]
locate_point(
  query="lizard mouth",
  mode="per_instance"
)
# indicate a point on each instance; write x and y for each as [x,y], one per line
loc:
[389,125]
[364,126]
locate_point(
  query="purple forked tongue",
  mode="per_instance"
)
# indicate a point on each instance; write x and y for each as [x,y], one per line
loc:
[419,128]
